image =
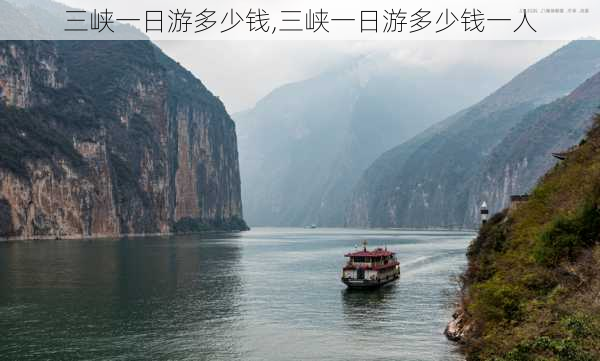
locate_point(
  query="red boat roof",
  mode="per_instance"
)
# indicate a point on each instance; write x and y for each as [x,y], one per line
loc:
[378,252]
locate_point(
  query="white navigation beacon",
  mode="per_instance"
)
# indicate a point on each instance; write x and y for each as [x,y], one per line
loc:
[484,212]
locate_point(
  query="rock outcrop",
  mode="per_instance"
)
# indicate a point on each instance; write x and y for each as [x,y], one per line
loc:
[107,138]
[456,328]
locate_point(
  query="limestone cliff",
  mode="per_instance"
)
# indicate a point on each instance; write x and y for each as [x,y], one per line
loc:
[109,138]
[441,176]
[524,156]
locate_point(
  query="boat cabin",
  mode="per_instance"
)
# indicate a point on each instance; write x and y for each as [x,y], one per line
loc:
[375,266]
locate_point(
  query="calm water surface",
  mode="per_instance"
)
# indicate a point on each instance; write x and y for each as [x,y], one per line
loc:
[267,294]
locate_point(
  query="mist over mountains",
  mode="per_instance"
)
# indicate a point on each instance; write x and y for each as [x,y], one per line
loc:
[304,146]
[374,146]
[440,177]
[376,142]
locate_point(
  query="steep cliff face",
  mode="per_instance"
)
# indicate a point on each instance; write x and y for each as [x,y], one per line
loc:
[524,155]
[25,70]
[435,178]
[109,138]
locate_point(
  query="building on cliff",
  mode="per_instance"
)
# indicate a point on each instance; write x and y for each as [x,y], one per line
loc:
[517,200]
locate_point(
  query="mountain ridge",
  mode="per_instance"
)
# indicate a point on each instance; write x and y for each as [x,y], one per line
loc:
[301,157]
[426,181]
[109,138]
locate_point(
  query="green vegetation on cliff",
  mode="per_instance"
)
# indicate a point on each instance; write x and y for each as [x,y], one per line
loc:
[103,138]
[532,288]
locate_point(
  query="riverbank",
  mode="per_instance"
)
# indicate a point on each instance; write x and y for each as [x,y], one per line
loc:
[532,286]
[119,236]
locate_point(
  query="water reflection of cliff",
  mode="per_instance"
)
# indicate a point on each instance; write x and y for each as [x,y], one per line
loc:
[147,297]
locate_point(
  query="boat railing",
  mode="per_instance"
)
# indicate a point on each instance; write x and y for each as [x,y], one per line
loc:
[371,264]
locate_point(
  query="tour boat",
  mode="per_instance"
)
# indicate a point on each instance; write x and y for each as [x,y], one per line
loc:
[368,269]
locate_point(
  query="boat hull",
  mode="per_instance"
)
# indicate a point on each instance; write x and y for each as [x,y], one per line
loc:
[355,283]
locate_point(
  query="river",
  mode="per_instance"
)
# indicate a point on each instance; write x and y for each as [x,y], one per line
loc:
[266,294]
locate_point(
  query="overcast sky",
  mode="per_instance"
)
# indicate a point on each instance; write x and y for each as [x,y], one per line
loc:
[242,72]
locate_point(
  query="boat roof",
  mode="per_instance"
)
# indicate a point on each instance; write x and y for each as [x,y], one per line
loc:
[378,252]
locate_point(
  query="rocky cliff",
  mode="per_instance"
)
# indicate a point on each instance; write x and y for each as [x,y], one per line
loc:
[441,176]
[516,164]
[109,138]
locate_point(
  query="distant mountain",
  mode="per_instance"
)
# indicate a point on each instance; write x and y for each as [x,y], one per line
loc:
[46,20]
[15,25]
[436,178]
[304,146]
[524,156]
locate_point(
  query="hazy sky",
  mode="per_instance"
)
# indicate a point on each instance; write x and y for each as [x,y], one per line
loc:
[241,73]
